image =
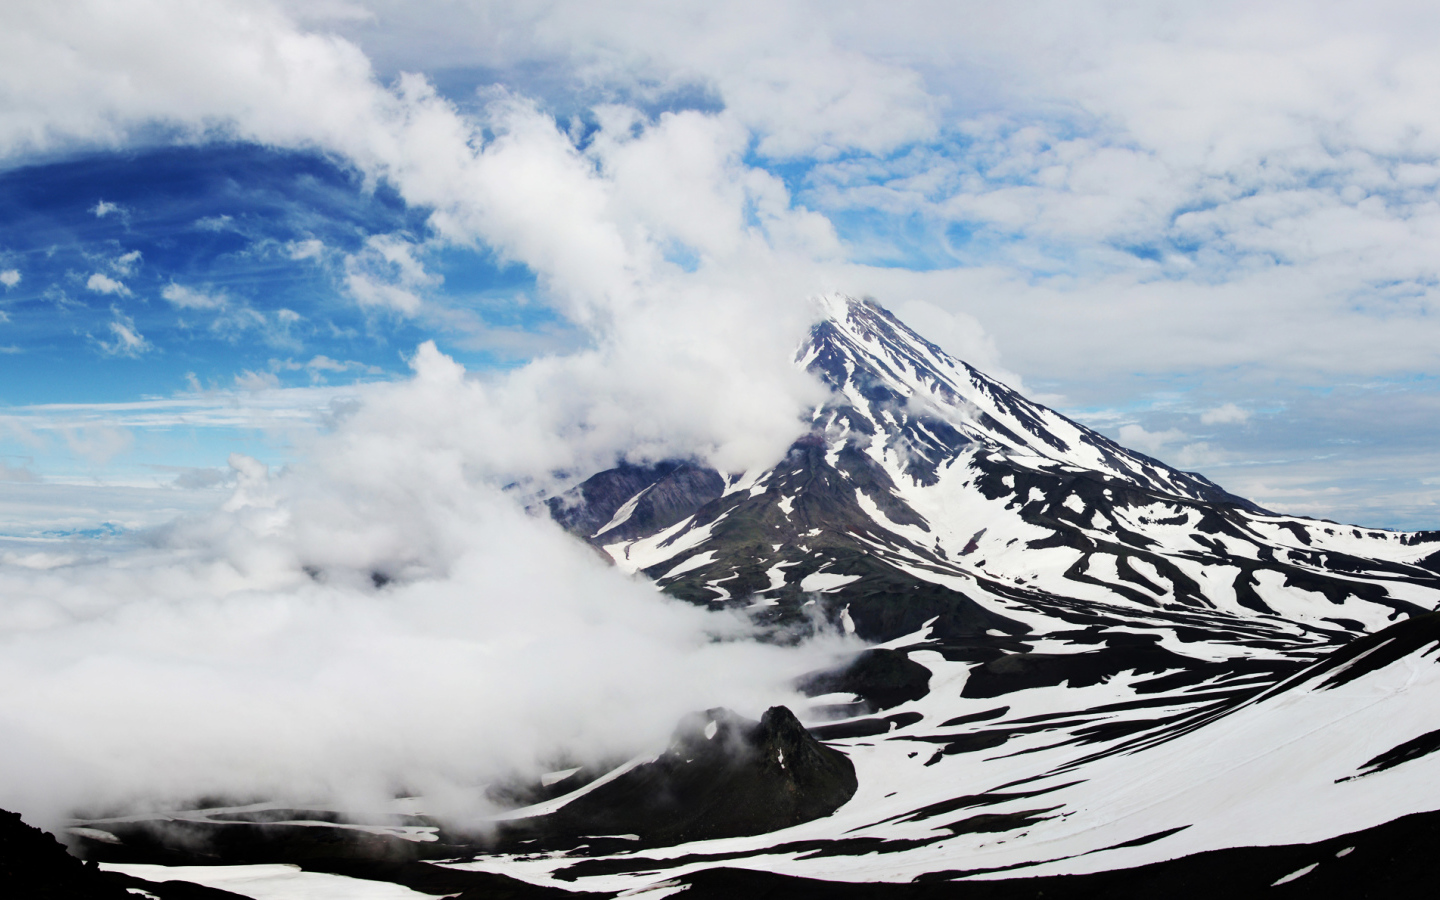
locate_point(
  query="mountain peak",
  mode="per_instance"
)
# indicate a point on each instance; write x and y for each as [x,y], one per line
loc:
[930,404]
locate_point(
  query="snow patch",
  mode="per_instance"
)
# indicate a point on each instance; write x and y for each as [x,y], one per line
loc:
[825,581]
[1298,873]
[698,561]
[623,514]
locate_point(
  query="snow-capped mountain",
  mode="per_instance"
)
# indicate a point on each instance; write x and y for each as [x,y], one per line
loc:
[1116,650]
[1083,661]
[994,511]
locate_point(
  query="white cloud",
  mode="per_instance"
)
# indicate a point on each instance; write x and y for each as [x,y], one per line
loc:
[15,473]
[10,278]
[256,381]
[1225,414]
[104,284]
[98,444]
[126,340]
[319,365]
[233,321]
[388,273]
[189,298]
[326,364]
[805,77]
[589,223]
[126,263]
[214,223]
[1150,442]
[308,671]
[307,249]
[101,209]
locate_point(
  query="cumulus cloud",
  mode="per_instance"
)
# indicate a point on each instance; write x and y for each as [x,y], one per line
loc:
[804,79]
[189,298]
[101,283]
[126,263]
[307,249]
[10,278]
[1225,414]
[508,178]
[102,208]
[1151,442]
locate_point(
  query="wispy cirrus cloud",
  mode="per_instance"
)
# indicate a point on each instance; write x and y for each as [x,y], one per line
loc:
[125,339]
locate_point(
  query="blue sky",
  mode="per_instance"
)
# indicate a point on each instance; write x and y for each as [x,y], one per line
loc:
[1211,236]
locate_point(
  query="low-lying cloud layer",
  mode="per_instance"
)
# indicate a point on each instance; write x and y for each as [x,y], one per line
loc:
[381,617]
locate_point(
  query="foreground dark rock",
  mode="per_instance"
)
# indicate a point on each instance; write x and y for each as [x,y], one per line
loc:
[722,776]
[34,864]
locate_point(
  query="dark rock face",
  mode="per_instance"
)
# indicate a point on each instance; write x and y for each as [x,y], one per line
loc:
[722,776]
[882,679]
[1019,671]
[34,865]
[667,493]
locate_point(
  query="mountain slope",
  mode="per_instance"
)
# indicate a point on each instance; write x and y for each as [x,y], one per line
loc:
[1082,660]
[1095,624]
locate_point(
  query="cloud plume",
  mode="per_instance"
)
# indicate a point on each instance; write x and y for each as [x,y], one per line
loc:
[380,617]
